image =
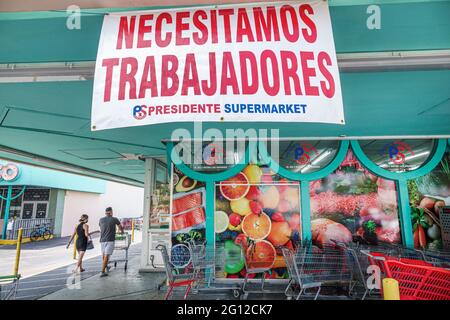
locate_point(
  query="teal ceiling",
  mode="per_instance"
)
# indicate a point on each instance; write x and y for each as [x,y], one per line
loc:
[413,25]
[52,119]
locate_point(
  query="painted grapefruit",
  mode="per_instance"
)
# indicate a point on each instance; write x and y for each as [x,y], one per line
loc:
[280,233]
[235,188]
[221,221]
[256,226]
[261,255]
[270,197]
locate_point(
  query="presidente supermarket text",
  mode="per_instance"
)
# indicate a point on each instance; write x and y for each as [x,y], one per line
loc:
[142,111]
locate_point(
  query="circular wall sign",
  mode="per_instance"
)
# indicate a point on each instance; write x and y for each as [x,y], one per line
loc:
[9,172]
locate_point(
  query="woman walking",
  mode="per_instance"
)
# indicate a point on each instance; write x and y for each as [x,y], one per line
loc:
[82,232]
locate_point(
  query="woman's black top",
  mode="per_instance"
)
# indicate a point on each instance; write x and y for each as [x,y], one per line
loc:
[82,240]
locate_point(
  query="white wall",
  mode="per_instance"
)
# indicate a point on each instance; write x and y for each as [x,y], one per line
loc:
[126,201]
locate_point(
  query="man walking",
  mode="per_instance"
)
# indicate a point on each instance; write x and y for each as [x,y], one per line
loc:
[107,236]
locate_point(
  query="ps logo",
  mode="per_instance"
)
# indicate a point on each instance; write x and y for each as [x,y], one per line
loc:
[303,152]
[213,154]
[396,151]
[139,113]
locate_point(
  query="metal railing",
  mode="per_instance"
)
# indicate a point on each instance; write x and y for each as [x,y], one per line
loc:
[28,225]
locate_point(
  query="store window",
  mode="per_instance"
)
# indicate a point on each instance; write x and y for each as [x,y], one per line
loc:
[427,195]
[398,155]
[303,156]
[352,204]
[211,156]
[260,210]
[188,215]
[15,208]
[160,199]
[35,203]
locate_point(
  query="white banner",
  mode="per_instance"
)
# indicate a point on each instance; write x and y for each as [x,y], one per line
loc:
[257,62]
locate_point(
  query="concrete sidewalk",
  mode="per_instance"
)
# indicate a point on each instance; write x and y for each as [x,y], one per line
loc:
[120,284]
[45,256]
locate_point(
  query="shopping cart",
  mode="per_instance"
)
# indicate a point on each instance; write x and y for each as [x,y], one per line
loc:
[418,281]
[439,258]
[361,257]
[207,261]
[176,276]
[257,263]
[121,243]
[312,268]
[9,286]
[359,263]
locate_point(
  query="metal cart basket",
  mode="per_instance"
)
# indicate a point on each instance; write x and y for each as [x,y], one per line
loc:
[9,286]
[122,243]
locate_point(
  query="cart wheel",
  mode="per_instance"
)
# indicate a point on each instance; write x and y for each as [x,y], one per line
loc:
[236,293]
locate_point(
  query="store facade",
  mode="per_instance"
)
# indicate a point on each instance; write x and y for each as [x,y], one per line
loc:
[380,177]
[371,191]
[32,196]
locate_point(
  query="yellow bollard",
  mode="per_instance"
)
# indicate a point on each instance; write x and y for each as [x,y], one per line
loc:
[132,230]
[390,289]
[75,247]
[18,249]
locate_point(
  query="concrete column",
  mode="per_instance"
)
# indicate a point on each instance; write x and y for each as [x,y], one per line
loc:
[149,182]
[57,206]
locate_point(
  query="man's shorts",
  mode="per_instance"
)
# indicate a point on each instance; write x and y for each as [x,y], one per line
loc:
[107,247]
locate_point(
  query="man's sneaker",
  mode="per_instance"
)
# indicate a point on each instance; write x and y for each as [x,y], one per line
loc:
[104,274]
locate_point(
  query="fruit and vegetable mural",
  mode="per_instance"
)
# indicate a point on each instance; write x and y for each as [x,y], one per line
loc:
[258,211]
[188,214]
[160,204]
[352,204]
[427,194]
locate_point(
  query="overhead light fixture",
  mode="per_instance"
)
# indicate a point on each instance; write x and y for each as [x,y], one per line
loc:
[131,156]
[417,155]
[414,156]
[322,156]
[52,71]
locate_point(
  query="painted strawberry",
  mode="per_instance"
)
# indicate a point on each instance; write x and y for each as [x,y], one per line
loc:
[241,238]
[235,219]
[253,193]
[289,245]
[244,272]
[255,207]
[270,275]
[278,217]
